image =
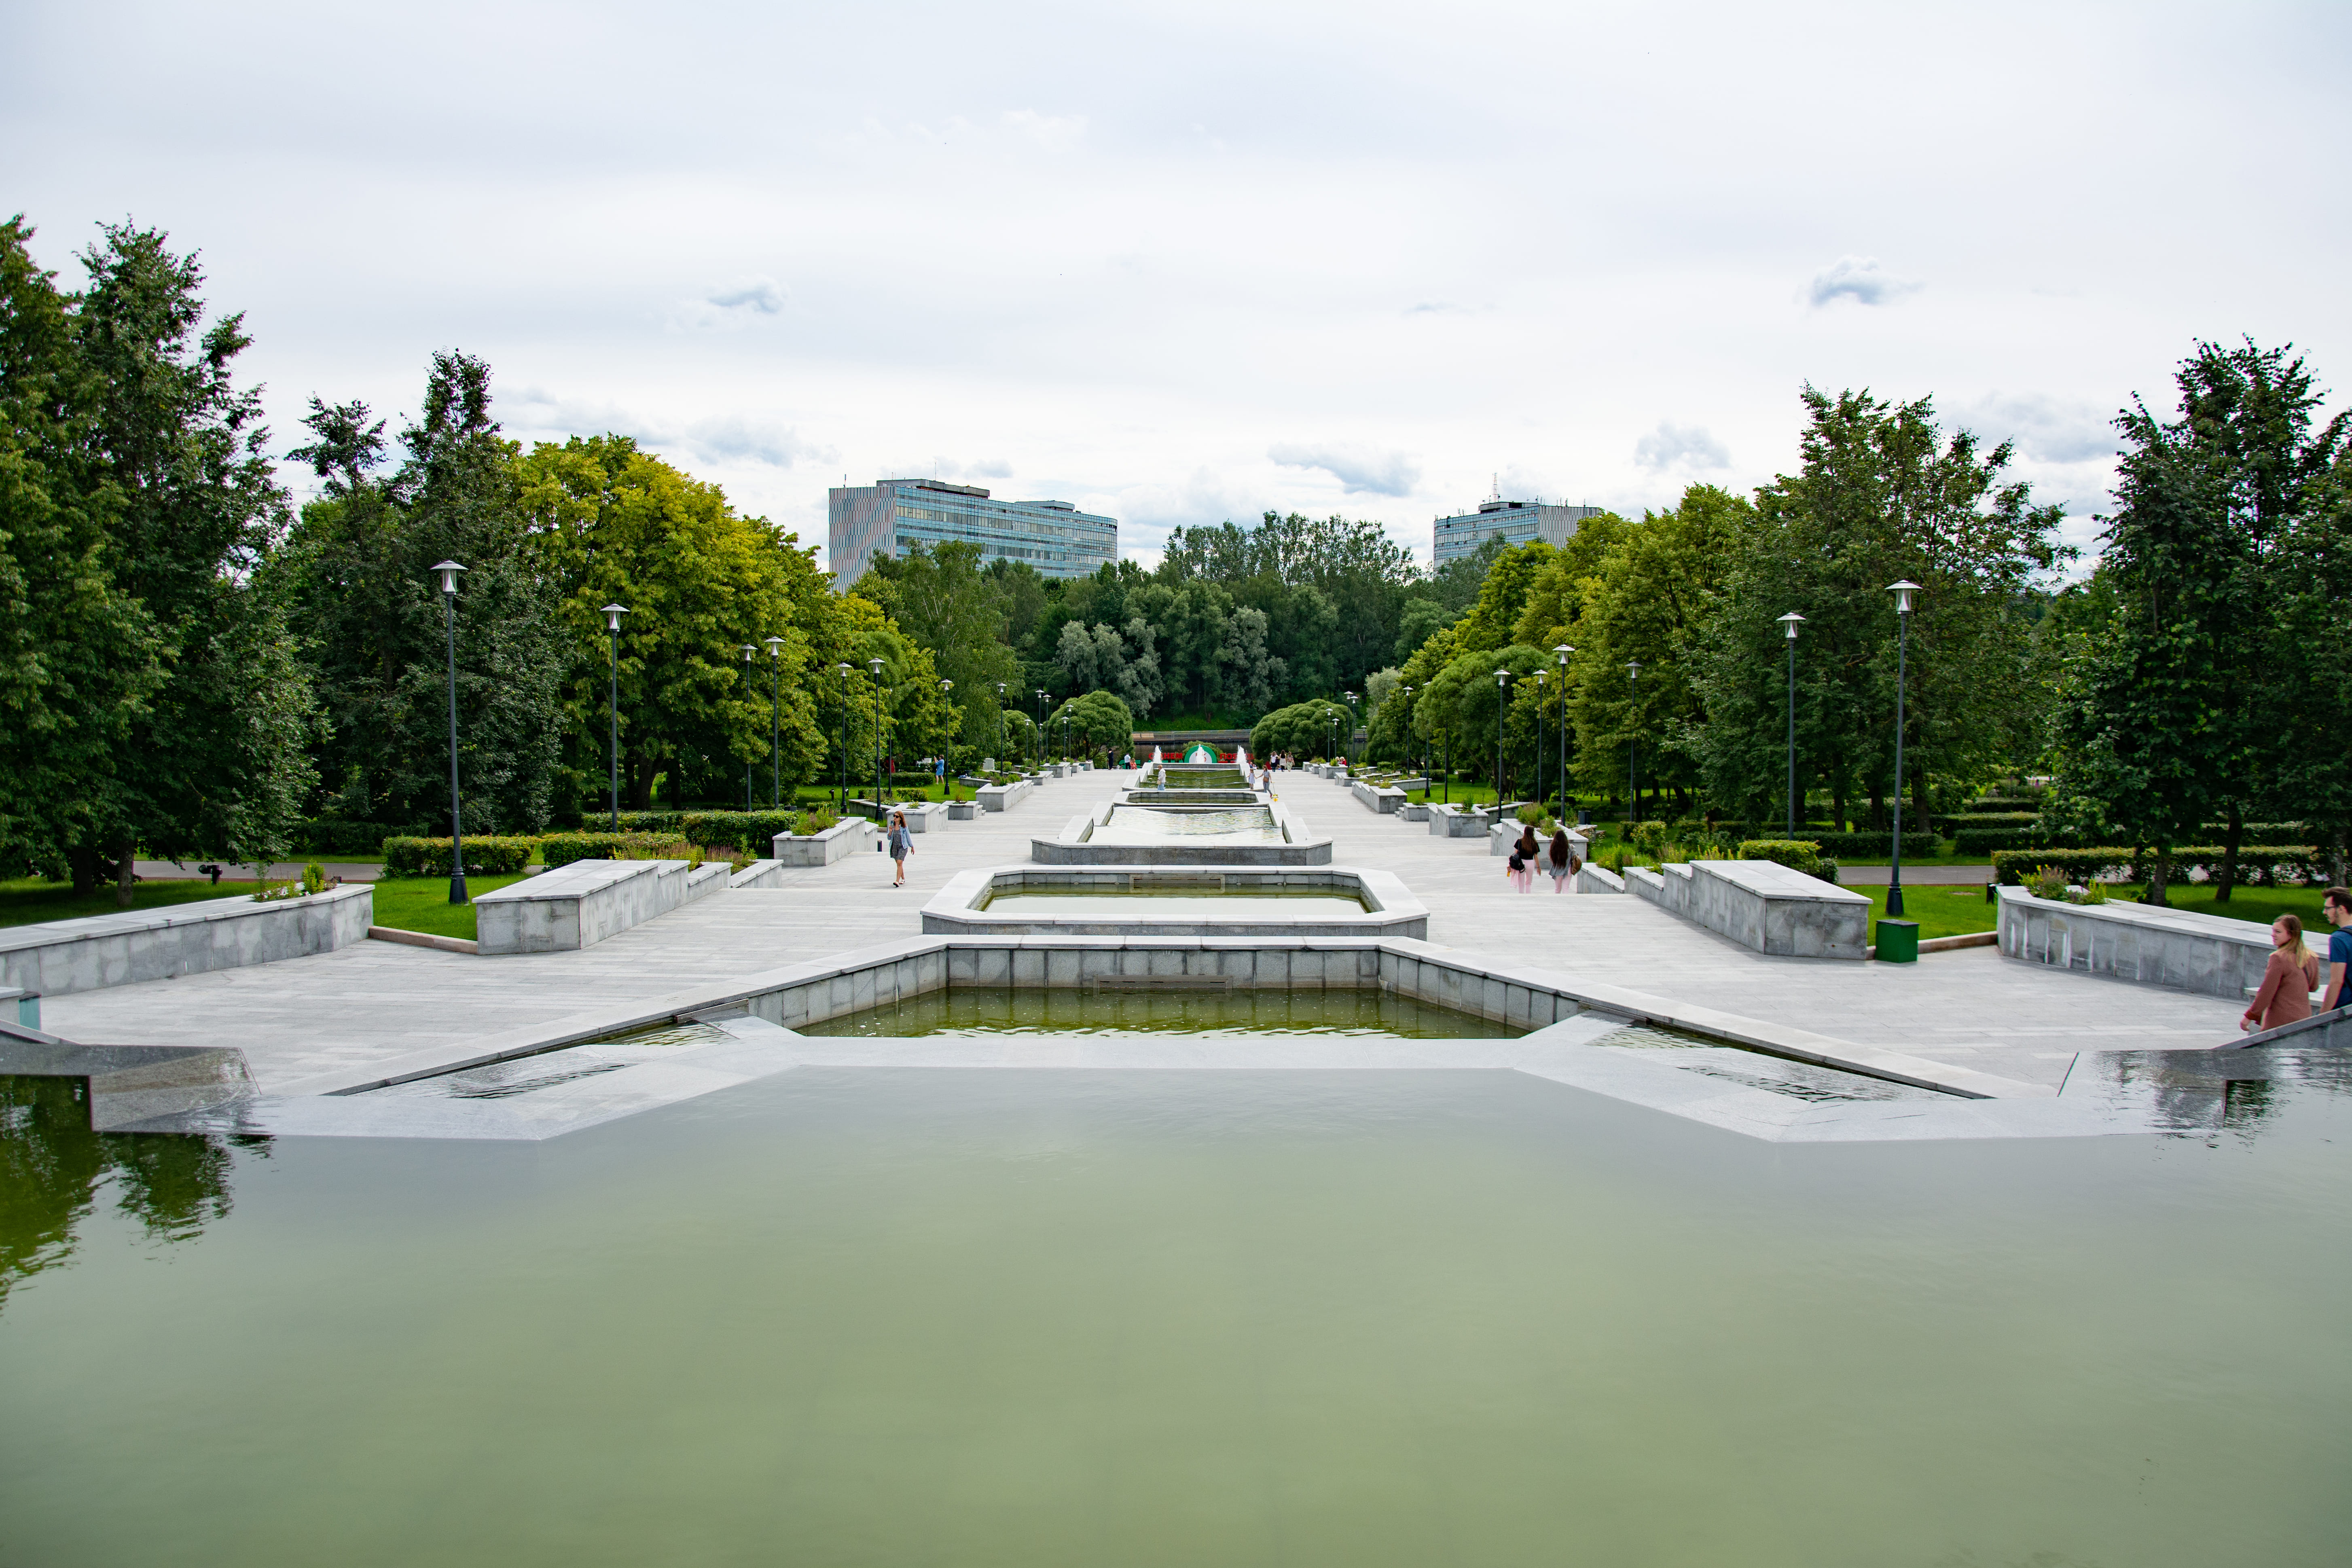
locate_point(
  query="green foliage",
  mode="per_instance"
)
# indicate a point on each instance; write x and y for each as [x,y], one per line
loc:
[947,606]
[1880,494]
[338,835]
[1301,730]
[406,857]
[751,832]
[1095,721]
[2267,865]
[1873,846]
[563,848]
[1797,854]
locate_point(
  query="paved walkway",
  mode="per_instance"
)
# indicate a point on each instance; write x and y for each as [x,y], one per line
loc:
[348,1008]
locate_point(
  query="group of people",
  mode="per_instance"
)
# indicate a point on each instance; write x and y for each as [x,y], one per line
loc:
[1559,858]
[2293,973]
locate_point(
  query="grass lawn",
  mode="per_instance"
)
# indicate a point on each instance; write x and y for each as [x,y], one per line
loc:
[2263,904]
[30,900]
[422,903]
[1940,911]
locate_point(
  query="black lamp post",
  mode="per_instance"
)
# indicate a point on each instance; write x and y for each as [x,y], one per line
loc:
[749,650]
[1502,679]
[841,774]
[1041,727]
[1541,676]
[1406,692]
[1633,739]
[1563,650]
[1790,622]
[949,744]
[1000,722]
[775,731]
[875,663]
[613,613]
[1902,591]
[449,570]
[1348,746]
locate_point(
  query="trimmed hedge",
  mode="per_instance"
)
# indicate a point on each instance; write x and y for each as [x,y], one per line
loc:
[2259,865]
[563,848]
[746,832]
[406,857]
[1969,843]
[1797,854]
[1871,846]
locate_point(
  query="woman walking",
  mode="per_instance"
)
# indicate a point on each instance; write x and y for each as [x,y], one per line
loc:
[902,844]
[1563,861]
[2288,981]
[1523,856]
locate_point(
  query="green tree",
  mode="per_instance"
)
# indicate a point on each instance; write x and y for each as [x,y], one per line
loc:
[1880,494]
[947,603]
[2227,513]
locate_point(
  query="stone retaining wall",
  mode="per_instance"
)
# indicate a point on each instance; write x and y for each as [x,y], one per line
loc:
[1761,905]
[2209,953]
[58,958]
[581,904]
[820,848]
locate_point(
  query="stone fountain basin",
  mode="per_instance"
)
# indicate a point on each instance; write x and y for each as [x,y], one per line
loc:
[1162,900]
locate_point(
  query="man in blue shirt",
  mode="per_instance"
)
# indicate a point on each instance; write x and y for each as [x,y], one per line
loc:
[2336,905]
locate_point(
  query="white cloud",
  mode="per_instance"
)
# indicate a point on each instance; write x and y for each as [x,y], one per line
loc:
[1860,279]
[763,295]
[2047,429]
[1055,132]
[1689,446]
[1359,472]
[736,439]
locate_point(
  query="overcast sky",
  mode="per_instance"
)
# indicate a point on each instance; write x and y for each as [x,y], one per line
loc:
[1185,262]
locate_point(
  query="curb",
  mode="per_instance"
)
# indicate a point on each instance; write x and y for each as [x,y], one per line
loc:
[422,939]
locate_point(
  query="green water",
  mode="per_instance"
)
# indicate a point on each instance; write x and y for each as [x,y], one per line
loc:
[1046,1319]
[1148,824]
[1220,1014]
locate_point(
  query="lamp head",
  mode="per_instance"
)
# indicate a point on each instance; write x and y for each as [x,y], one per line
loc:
[1903,592]
[776,646]
[1633,669]
[749,649]
[844,671]
[613,613]
[1791,621]
[947,686]
[1502,678]
[875,663]
[449,570]
[1563,650]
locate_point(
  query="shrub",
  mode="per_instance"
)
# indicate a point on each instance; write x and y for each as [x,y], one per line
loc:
[748,831]
[818,821]
[430,856]
[1871,846]
[1797,854]
[563,848]
[2259,865]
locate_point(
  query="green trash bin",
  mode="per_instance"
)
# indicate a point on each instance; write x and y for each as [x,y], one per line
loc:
[1898,941]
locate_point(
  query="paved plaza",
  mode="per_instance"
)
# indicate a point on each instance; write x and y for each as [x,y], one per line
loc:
[347,1009]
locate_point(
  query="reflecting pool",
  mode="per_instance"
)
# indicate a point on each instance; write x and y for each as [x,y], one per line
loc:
[1214,1014]
[1143,1318]
[1149,825]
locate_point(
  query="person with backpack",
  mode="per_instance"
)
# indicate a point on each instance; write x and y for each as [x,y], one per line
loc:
[1522,867]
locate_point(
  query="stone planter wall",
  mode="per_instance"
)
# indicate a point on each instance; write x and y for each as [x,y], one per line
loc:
[1761,905]
[820,848]
[1002,797]
[2209,953]
[58,958]
[581,904]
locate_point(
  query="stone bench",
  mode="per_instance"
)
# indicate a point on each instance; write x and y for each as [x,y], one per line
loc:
[57,958]
[2212,954]
[820,848]
[581,904]
[1762,905]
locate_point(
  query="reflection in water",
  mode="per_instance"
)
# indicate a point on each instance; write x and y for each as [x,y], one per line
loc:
[2207,1093]
[52,1166]
[965,1010]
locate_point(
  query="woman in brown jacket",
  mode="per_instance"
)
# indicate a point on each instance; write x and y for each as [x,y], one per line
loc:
[2288,981]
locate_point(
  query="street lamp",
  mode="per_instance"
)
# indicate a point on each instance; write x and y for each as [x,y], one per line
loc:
[1791,621]
[1041,726]
[875,663]
[749,649]
[613,613]
[1350,743]
[1502,679]
[1563,650]
[1541,676]
[948,745]
[775,731]
[449,570]
[1406,692]
[1902,591]
[841,773]
[999,721]
[1633,740]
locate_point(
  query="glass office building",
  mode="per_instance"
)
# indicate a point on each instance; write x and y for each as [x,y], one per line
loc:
[892,516]
[1518,521]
